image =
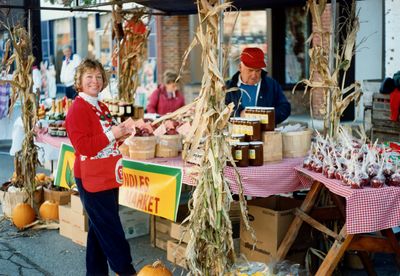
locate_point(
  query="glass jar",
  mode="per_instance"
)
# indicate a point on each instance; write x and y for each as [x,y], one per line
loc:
[121,109]
[253,130]
[256,153]
[267,118]
[129,109]
[241,154]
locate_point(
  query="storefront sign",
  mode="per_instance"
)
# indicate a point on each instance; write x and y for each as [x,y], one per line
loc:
[151,188]
[65,168]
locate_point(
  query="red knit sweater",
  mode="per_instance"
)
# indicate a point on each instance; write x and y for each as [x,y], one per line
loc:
[160,103]
[85,132]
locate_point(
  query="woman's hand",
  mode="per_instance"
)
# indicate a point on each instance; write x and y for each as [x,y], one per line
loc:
[120,131]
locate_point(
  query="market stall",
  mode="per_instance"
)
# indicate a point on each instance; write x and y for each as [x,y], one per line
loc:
[363,212]
[263,181]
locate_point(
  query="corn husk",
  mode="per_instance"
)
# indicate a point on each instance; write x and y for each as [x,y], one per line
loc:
[324,79]
[26,160]
[130,51]
[210,250]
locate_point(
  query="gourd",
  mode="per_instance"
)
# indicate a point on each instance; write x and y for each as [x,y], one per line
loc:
[22,215]
[49,210]
[157,268]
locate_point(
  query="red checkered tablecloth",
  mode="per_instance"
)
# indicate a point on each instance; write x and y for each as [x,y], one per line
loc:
[368,209]
[263,181]
[56,142]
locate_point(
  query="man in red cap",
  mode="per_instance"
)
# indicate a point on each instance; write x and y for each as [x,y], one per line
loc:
[261,90]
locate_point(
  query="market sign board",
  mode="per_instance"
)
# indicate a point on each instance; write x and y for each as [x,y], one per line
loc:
[65,167]
[151,188]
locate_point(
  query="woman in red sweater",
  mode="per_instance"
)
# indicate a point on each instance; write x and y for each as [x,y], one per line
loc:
[166,98]
[95,140]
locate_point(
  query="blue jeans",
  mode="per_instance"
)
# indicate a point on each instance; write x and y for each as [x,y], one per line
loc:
[106,239]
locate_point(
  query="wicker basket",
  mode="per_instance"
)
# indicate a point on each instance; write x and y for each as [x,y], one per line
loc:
[296,143]
[142,147]
[168,146]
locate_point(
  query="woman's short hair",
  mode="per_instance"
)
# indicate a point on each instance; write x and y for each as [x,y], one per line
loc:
[169,76]
[86,65]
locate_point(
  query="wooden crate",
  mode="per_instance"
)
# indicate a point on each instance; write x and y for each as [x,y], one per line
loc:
[381,114]
[384,134]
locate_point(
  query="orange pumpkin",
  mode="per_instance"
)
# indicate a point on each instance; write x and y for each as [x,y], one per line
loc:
[22,215]
[49,210]
[157,268]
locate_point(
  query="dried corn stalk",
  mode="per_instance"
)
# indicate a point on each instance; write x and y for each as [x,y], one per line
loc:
[327,79]
[131,36]
[22,84]
[210,250]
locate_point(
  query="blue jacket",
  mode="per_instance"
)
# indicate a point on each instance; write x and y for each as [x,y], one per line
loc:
[270,95]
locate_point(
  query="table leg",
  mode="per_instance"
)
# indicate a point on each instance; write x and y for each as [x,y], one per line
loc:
[335,253]
[367,263]
[388,233]
[294,228]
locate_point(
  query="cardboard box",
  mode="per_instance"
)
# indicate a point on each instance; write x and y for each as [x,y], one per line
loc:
[67,215]
[272,146]
[134,223]
[270,218]
[76,204]
[177,230]
[176,253]
[61,197]
[74,233]
[161,241]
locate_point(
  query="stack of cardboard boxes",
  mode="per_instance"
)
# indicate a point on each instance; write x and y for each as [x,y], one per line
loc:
[270,218]
[74,221]
[167,234]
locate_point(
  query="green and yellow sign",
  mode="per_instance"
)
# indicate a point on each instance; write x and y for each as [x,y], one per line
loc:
[151,188]
[65,168]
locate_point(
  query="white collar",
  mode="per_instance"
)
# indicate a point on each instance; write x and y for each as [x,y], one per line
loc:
[90,99]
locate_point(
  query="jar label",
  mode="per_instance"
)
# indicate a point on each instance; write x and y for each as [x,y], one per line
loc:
[252,154]
[238,154]
[129,109]
[264,119]
[248,130]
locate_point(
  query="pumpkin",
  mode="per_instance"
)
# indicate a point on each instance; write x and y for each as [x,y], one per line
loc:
[157,268]
[22,215]
[49,210]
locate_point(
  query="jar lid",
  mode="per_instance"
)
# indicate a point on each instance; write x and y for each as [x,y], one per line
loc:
[238,118]
[242,143]
[237,135]
[256,143]
[252,120]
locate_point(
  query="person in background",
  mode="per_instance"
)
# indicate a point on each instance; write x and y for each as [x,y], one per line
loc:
[95,139]
[166,98]
[68,68]
[261,90]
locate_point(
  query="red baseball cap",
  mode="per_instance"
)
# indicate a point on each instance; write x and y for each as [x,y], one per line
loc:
[253,58]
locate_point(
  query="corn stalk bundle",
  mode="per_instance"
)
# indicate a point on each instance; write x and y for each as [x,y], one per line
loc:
[210,250]
[22,84]
[131,35]
[327,79]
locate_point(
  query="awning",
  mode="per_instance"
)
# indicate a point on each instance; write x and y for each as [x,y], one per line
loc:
[177,7]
